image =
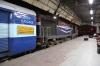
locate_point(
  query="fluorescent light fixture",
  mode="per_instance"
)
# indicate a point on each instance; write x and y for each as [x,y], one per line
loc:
[90,1]
[91,11]
[91,17]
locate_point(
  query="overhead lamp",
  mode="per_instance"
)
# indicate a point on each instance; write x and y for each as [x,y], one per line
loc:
[54,17]
[90,1]
[92,23]
[91,17]
[91,11]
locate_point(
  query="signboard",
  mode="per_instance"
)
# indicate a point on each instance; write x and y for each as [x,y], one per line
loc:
[73,21]
[25,30]
[23,18]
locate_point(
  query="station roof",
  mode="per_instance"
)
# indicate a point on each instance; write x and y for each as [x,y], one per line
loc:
[78,10]
[82,9]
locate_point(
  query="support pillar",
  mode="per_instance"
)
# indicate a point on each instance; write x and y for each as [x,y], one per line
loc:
[97,30]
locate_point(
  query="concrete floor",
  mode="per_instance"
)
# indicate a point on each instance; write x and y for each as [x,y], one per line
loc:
[76,52]
[84,55]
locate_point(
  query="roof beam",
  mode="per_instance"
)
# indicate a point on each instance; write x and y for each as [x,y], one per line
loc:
[57,9]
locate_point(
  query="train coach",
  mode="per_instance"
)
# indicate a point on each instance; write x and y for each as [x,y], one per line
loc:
[17,29]
[22,30]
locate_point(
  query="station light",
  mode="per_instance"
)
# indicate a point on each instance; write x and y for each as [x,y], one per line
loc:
[54,17]
[92,23]
[91,17]
[90,1]
[91,11]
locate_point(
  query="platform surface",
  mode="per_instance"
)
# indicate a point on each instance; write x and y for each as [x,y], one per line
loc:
[76,52]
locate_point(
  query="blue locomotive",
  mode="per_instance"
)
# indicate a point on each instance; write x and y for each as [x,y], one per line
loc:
[22,30]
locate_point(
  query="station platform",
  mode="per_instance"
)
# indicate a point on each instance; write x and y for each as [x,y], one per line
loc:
[75,52]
